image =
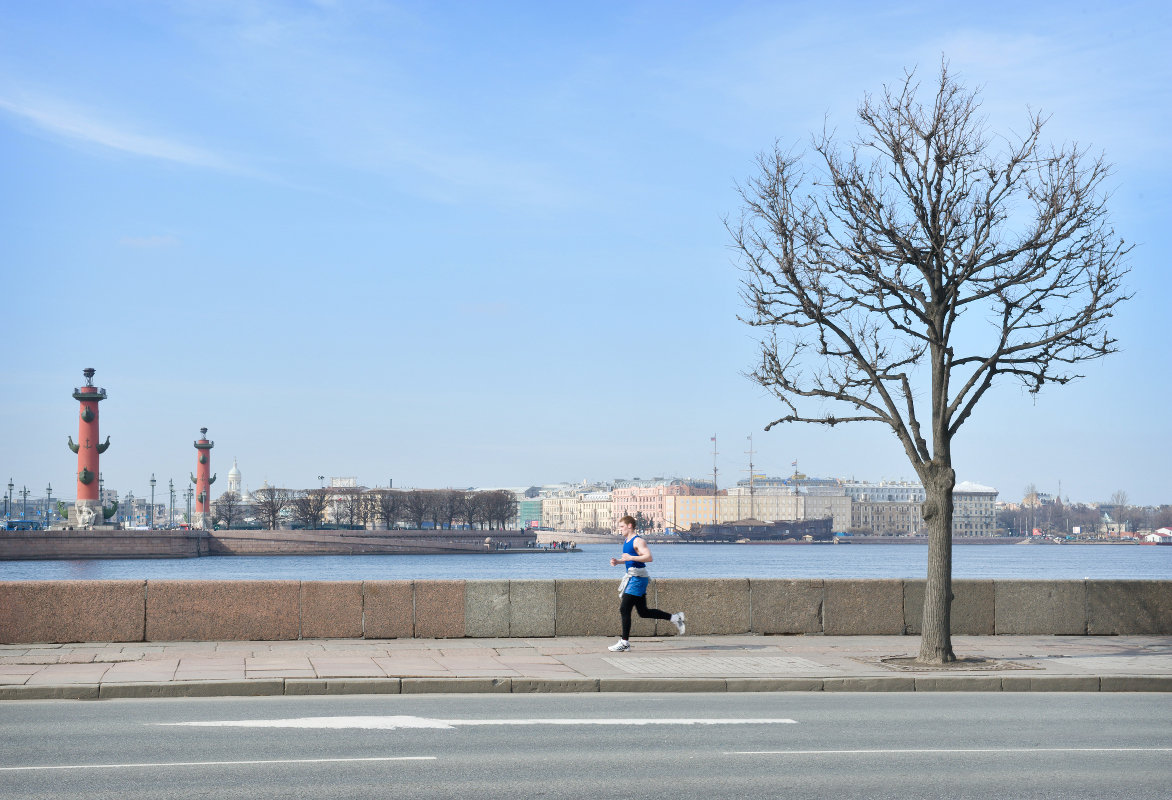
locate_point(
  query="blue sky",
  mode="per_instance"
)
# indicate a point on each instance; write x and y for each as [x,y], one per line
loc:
[458,244]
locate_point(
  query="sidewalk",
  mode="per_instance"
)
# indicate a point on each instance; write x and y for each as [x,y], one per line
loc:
[579,664]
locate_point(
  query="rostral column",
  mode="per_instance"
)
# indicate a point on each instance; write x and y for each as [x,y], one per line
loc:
[88,510]
[201,518]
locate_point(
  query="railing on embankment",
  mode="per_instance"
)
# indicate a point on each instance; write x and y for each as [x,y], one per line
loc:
[164,610]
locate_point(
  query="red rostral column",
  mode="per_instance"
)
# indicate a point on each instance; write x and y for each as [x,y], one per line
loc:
[203,483]
[88,448]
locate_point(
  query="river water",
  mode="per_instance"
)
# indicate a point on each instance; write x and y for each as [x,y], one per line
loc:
[1037,562]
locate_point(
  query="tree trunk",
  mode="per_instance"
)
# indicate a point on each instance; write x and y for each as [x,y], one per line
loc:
[936,627]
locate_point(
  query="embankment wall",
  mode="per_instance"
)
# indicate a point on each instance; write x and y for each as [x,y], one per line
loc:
[76,544]
[163,610]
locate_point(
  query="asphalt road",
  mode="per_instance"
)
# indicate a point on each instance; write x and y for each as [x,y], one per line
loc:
[929,745]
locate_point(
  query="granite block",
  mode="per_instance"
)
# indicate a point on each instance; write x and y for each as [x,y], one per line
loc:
[644,685]
[1063,683]
[457,685]
[264,687]
[362,686]
[958,683]
[773,684]
[1056,608]
[1129,608]
[531,608]
[785,606]
[886,683]
[72,611]
[222,610]
[717,606]
[1135,683]
[973,610]
[72,691]
[486,609]
[331,609]
[863,608]
[574,685]
[439,609]
[587,607]
[388,610]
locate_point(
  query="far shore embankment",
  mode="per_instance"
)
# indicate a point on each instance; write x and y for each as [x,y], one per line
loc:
[80,544]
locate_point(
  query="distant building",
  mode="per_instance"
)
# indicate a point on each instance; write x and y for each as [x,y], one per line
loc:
[561,512]
[649,501]
[682,512]
[595,511]
[234,478]
[974,510]
[885,491]
[888,517]
[528,513]
[896,508]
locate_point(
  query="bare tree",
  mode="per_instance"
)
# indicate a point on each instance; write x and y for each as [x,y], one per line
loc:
[500,508]
[350,507]
[448,503]
[269,502]
[1120,511]
[899,280]
[417,506]
[228,509]
[470,508]
[309,507]
[388,503]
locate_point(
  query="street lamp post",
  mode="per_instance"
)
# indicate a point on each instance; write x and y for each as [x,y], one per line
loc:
[152,524]
[8,500]
[171,512]
[188,495]
[130,508]
[48,504]
[24,502]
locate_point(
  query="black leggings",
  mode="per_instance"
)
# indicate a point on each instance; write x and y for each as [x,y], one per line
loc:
[639,603]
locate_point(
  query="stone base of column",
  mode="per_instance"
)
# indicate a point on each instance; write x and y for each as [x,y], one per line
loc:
[202,521]
[86,515]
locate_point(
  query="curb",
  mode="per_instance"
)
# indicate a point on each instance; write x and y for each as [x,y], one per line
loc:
[264,687]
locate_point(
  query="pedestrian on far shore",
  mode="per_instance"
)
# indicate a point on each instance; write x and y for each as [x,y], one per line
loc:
[635,557]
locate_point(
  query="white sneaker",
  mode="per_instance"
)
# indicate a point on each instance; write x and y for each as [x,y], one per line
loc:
[620,646]
[679,621]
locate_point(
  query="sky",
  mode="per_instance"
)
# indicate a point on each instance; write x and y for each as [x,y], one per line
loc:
[457,244]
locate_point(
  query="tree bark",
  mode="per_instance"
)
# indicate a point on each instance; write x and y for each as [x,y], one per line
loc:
[936,626]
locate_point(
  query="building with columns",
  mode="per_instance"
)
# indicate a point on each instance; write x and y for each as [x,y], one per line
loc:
[594,511]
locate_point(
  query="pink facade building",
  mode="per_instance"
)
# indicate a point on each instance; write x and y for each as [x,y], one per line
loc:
[648,501]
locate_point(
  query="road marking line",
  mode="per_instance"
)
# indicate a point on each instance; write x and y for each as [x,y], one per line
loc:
[218,763]
[1017,750]
[398,722]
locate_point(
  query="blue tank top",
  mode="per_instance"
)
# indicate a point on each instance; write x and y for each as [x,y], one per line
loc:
[636,585]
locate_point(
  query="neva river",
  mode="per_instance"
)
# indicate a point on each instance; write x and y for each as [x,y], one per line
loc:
[1038,562]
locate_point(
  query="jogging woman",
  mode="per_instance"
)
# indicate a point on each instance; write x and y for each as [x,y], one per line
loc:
[633,590]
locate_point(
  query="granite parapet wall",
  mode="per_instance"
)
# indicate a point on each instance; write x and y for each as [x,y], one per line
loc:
[133,611]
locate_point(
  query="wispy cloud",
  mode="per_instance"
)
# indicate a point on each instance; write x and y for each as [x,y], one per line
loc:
[77,125]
